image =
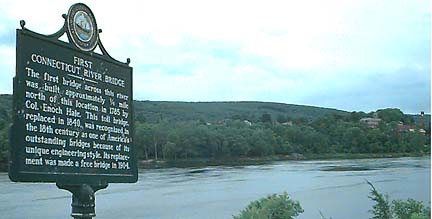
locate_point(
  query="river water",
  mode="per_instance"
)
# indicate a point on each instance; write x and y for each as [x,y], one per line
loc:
[337,188]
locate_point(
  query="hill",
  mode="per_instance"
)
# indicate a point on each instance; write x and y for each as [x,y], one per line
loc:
[5,107]
[154,111]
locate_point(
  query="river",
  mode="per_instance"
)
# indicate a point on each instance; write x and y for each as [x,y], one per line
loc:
[337,188]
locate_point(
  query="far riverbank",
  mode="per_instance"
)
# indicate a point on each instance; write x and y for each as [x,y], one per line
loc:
[242,161]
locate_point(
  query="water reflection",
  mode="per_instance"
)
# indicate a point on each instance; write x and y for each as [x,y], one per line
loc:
[336,187]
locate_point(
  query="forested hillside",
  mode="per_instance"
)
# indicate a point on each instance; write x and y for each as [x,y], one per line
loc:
[227,130]
[5,121]
[155,111]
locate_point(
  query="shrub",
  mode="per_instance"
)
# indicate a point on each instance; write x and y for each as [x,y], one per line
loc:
[398,209]
[410,209]
[272,207]
[381,209]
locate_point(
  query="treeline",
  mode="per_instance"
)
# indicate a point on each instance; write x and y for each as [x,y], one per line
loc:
[226,130]
[5,122]
[151,116]
[236,138]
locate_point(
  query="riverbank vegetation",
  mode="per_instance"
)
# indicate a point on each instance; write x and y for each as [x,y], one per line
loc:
[272,207]
[328,136]
[283,207]
[227,132]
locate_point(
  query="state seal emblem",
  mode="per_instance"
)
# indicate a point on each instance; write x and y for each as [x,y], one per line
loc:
[81,27]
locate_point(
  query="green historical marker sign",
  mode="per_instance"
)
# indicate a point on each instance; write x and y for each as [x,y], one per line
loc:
[73,117]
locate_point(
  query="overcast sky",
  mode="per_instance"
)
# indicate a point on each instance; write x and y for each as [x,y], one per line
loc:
[349,55]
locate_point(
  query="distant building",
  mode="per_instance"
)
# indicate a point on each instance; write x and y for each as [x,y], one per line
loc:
[405,128]
[288,123]
[247,122]
[422,131]
[371,122]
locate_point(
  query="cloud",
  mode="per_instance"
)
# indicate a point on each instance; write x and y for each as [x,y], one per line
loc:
[406,88]
[7,68]
[324,53]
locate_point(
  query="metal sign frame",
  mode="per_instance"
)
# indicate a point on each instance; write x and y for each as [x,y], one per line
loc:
[18,172]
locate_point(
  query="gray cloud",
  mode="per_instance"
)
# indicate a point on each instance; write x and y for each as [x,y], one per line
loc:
[408,89]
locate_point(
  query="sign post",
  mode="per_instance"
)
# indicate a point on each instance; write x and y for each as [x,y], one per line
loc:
[73,112]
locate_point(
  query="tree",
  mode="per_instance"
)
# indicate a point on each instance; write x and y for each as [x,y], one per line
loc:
[356,116]
[140,140]
[410,209]
[281,118]
[354,140]
[261,143]
[4,146]
[413,141]
[390,115]
[266,118]
[170,150]
[159,137]
[397,209]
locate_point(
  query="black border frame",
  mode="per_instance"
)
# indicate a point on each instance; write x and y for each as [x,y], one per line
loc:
[15,172]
